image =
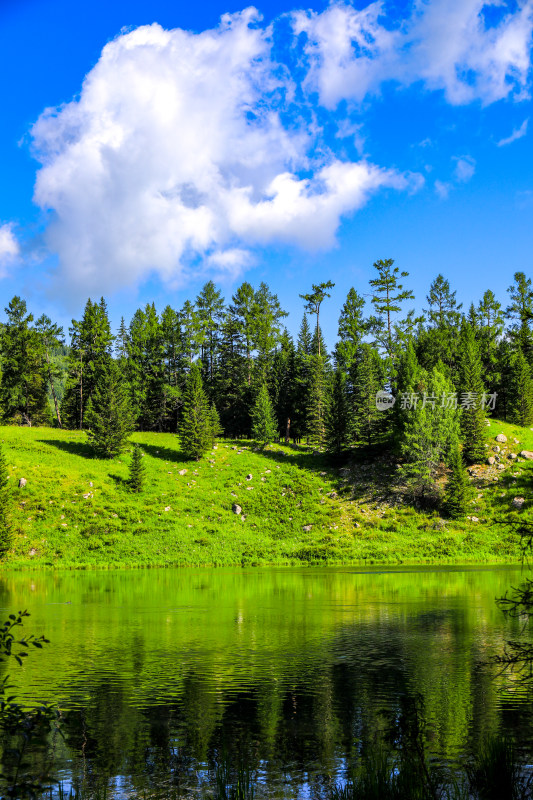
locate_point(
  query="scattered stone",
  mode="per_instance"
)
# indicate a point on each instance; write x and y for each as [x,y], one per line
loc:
[236,508]
[182,472]
[511,456]
[323,473]
[268,471]
[501,437]
[167,508]
[526,454]
[307,528]
[516,441]
[356,525]
[249,477]
[518,502]
[86,496]
[474,519]
[22,483]
[491,460]
[233,448]
[32,552]
[115,515]
[249,488]
[90,483]
[500,466]
[496,449]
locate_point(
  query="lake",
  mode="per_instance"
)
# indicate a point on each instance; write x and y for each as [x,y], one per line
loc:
[160,673]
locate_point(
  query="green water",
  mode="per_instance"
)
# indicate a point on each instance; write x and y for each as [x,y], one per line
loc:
[158,671]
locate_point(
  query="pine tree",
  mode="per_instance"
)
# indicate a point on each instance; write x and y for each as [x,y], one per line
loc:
[137,470]
[366,421]
[471,391]
[5,530]
[387,296]
[195,429]
[313,301]
[23,391]
[522,390]
[430,431]
[216,427]
[317,403]
[521,310]
[231,387]
[337,416]
[264,429]
[352,328]
[109,418]
[458,491]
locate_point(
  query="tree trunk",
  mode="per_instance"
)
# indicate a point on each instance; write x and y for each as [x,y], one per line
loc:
[288,430]
[53,389]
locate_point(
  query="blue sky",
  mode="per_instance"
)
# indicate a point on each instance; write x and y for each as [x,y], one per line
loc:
[145,148]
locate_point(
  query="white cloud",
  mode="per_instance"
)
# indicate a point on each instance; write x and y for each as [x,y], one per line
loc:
[465,167]
[442,189]
[177,149]
[9,247]
[518,133]
[446,44]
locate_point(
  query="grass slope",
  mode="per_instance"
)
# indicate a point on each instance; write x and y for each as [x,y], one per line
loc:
[77,511]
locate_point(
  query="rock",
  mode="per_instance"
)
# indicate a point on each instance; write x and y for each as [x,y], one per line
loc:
[268,471]
[249,488]
[501,437]
[491,460]
[86,496]
[474,519]
[249,477]
[356,525]
[496,449]
[511,456]
[307,527]
[32,551]
[22,483]
[500,466]
[516,441]
[182,472]
[90,483]
[518,502]
[236,508]
[167,508]
[526,454]
[323,473]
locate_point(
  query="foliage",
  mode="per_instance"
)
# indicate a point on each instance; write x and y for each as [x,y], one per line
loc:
[522,390]
[336,423]
[388,294]
[23,732]
[472,392]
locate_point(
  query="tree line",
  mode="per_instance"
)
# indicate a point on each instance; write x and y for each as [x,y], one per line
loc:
[213,367]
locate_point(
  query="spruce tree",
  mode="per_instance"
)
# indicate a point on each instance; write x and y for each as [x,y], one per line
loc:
[522,390]
[264,428]
[471,391]
[196,425]
[313,301]
[366,421]
[5,531]
[458,491]
[337,416]
[108,416]
[137,470]
[387,297]
[216,427]
[317,402]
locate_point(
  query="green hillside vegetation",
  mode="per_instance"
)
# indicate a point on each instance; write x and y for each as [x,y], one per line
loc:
[79,511]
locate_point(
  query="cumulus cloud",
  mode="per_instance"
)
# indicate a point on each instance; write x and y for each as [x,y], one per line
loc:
[518,133]
[9,248]
[177,150]
[448,45]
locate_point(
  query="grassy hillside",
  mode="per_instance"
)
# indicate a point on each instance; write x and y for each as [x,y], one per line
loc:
[77,511]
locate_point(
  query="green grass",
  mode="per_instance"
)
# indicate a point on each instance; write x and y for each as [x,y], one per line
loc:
[188,519]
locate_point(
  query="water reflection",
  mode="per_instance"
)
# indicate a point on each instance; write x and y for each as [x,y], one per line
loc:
[158,673]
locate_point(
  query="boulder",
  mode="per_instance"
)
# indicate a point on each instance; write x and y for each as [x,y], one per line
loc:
[22,483]
[236,508]
[500,466]
[491,460]
[496,449]
[511,456]
[526,454]
[501,437]
[518,502]
[249,477]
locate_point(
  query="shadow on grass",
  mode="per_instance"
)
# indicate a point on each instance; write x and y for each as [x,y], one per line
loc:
[82,449]
[165,453]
